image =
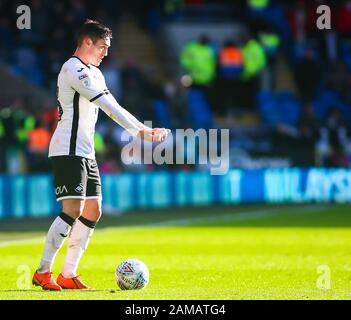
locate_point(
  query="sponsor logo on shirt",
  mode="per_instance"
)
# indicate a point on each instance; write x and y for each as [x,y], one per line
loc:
[83,76]
[61,189]
[86,83]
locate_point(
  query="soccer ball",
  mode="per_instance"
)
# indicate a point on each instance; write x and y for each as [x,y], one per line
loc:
[132,274]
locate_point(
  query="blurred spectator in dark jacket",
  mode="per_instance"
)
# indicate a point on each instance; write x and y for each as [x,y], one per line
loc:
[339,80]
[338,139]
[333,148]
[230,68]
[307,76]
[308,127]
[6,39]
[270,41]
[133,82]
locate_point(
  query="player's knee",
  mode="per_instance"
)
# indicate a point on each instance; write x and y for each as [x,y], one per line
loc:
[92,210]
[75,213]
[95,215]
[74,208]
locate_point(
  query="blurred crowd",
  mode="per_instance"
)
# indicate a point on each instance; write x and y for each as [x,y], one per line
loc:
[313,116]
[218,79]
[38,53]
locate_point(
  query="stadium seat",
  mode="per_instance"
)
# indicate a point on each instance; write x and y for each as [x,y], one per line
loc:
[345,110]
[279,107]
[289,107]
[323,102]
[160,109]
[269,112]
[199,110]
[346,53]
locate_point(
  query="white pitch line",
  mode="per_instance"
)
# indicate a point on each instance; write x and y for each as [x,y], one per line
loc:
[235,216]
[22,241]
[239,216]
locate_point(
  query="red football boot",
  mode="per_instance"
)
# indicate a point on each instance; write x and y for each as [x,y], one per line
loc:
[46,281]
[71,283]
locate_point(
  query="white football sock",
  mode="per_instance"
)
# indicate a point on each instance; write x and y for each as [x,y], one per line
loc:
[77,243]
[56,236]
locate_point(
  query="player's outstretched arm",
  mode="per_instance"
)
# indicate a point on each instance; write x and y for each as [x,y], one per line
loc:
[88,87]
[110,106]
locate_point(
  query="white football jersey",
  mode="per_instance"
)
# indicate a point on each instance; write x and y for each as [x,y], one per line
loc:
[81,92]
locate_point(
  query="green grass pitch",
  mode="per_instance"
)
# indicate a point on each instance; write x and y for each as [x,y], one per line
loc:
[222,252]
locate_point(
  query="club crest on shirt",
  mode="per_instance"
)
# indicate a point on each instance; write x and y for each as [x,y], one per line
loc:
[79,188]
[86,83]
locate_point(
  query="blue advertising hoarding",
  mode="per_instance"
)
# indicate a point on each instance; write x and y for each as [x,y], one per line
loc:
[33,195]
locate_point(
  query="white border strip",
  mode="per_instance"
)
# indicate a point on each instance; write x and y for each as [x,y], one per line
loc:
[70,197]
[78,197]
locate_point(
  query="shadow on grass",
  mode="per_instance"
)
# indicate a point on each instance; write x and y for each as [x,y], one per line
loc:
[253,215]
[50,291]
